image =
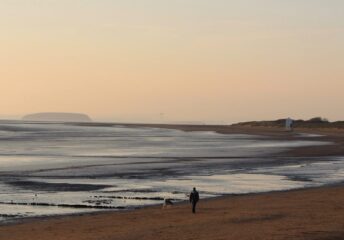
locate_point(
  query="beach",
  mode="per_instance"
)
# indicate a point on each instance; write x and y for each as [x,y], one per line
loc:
[298,214]
[116,117]
[313,213]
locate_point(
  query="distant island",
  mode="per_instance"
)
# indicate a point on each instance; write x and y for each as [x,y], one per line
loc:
[57,117]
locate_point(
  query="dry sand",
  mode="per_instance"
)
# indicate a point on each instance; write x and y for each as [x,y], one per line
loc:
[299,214]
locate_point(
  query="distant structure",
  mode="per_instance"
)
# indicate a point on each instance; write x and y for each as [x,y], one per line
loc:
[289,124]
[57,117]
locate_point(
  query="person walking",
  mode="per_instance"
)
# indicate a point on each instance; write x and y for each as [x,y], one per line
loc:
[194,198]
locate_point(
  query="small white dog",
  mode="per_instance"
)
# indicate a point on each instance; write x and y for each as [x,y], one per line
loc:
[167,203]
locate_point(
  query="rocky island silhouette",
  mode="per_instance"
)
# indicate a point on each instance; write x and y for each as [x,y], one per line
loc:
[57,117]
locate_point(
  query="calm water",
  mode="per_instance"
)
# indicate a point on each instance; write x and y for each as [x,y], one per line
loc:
[48,169]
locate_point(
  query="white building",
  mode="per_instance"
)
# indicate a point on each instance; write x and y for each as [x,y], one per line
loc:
[289,124]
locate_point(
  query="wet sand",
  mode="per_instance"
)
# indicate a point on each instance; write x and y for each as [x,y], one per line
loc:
[332,135]
[299,214]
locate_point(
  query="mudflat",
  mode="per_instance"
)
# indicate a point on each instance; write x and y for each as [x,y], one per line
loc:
[316,213]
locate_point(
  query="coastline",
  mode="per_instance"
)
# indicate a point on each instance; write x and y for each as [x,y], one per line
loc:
[336,136]
[314,213]
[19,229]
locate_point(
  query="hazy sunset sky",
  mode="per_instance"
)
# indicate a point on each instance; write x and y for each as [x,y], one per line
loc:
[193,60]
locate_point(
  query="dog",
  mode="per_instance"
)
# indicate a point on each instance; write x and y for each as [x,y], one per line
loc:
[167,203]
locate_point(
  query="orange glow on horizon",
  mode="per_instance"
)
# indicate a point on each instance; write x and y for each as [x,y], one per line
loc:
[191,60]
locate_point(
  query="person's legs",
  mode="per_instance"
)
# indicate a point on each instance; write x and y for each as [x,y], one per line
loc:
[194,207]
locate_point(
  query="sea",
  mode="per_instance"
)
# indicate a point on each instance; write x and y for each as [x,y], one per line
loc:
[49,169]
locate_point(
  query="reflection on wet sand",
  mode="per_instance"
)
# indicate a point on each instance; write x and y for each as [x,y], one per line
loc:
[69,168]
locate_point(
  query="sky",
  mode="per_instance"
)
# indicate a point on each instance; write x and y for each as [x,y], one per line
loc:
[173,60]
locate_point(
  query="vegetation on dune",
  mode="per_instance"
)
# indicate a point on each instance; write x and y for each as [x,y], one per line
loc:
[316,122]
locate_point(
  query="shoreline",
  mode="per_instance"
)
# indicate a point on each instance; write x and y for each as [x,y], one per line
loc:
[184,202]
[280,134]
[224,213]
[336,136]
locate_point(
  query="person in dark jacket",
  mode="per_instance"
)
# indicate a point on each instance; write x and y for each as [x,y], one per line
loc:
[194,197]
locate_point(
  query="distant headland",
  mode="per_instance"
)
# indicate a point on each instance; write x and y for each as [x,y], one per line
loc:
[57,117]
